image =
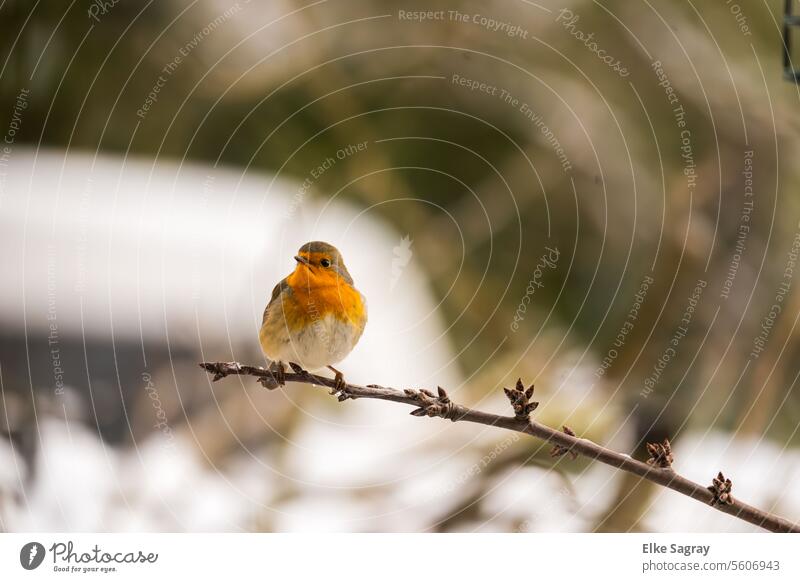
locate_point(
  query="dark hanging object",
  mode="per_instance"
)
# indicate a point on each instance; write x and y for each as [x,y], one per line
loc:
[790,20]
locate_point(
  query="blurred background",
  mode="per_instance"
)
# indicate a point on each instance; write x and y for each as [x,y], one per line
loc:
[598,197]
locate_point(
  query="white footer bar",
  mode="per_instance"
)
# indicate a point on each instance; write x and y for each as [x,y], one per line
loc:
[400,557]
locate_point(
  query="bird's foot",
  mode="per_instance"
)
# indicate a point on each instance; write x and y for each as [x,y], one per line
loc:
[340,386]
[277,376]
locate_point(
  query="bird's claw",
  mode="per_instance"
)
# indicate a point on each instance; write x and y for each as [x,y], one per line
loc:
[339,385]
[276,378]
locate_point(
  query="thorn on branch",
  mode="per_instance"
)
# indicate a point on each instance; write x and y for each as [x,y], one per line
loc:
[520,400]
[660,454]
[431,404]
[721,489]
[558,450]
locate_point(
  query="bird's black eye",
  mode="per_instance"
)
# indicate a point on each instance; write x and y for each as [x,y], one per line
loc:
[325,263]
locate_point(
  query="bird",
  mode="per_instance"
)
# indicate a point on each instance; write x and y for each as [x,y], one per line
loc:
[315,316]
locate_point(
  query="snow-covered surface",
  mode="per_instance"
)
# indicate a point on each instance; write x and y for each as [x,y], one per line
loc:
[83,485]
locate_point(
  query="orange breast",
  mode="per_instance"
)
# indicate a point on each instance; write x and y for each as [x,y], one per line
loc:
[313,300]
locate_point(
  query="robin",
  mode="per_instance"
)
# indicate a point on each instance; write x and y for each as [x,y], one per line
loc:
[315,316]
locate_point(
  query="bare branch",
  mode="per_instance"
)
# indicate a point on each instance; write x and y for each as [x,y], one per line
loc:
[426,403]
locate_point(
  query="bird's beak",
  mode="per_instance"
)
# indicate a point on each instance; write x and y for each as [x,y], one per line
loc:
[300,259]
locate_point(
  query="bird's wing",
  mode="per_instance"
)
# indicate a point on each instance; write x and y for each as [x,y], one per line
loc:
[276,292]
[363,323]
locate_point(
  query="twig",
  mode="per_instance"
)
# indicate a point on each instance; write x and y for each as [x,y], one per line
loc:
[426,403]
